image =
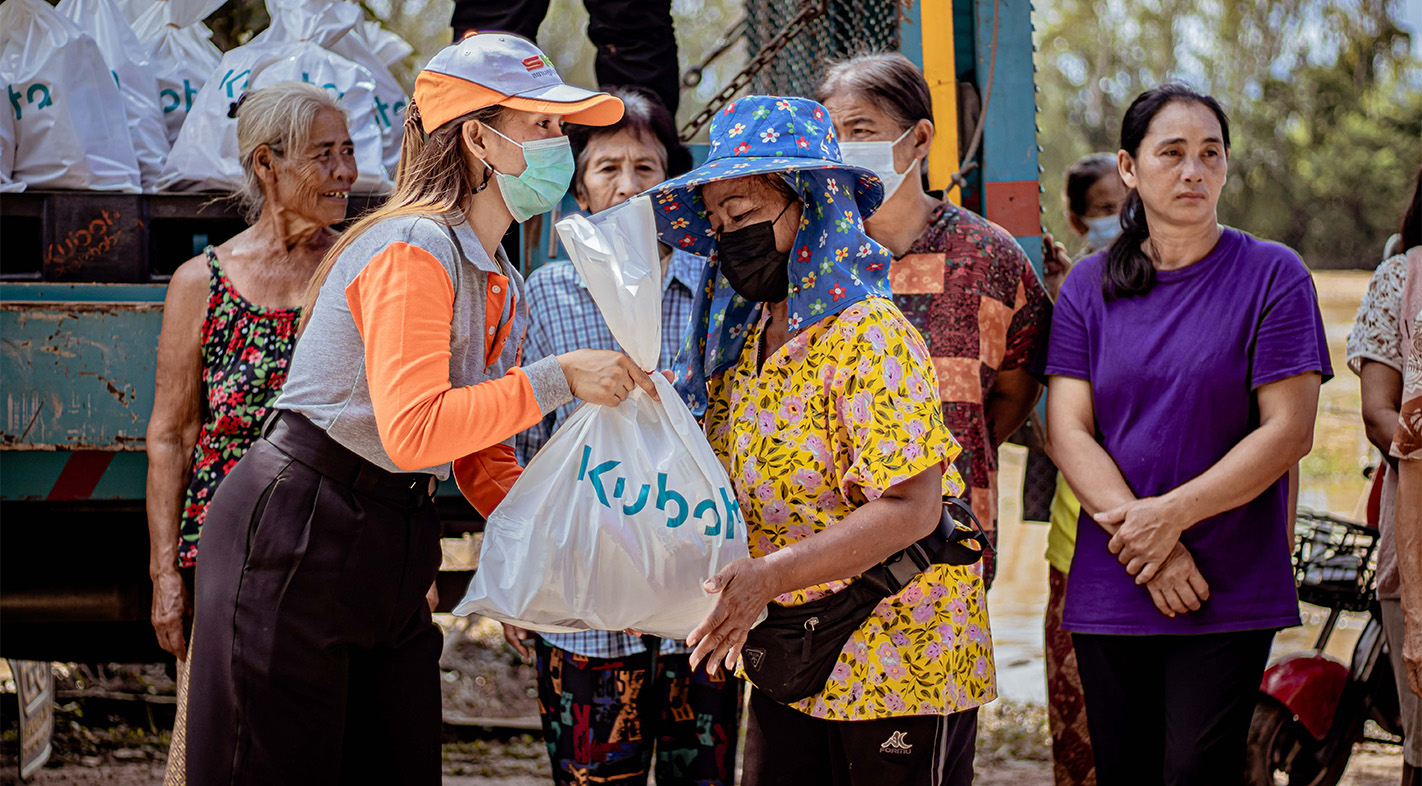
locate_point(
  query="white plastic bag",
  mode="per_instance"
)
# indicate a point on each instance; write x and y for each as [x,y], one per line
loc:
[626,511]
[389,97]
[180,52]
[137,83]
[388,47]
[69,123]
[204,157]
[7,154]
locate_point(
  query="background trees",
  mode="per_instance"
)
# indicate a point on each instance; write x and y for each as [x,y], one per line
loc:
[1324,97]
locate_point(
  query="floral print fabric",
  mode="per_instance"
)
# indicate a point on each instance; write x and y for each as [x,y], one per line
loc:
[245,353]
[844,410]
[1377,330]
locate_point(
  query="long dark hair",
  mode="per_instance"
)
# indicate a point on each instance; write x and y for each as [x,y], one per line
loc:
[1128,271]
[1411,229]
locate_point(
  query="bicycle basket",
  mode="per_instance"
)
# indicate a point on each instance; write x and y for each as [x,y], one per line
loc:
[1334,561]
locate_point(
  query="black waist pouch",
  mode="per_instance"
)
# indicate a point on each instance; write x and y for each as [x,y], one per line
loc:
[790,655]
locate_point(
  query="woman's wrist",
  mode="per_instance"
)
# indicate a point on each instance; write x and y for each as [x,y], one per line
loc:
[772,573]
[161,567]
[1178,515]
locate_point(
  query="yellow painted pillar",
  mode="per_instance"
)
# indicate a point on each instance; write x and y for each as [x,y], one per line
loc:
[936,29]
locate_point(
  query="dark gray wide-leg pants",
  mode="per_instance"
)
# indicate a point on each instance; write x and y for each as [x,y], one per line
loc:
[315,659]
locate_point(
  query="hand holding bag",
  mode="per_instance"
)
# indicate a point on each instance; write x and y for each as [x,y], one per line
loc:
[626,511]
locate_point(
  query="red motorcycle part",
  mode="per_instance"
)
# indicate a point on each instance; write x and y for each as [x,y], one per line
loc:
[1310,686]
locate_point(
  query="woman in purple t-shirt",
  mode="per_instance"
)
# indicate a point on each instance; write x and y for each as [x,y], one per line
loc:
[1184,365]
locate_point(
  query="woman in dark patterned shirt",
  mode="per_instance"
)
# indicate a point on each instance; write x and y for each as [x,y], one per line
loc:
[960,279]
[229,328]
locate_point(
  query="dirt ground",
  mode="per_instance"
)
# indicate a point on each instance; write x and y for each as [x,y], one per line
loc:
[114,751]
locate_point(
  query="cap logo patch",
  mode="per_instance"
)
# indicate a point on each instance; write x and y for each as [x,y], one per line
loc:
[536,62]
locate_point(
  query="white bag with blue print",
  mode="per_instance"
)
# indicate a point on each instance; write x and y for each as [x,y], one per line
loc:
[626,511]
[295,48]
[67,118]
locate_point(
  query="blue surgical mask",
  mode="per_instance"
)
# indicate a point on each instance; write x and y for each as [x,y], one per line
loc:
[1101,231]
[544,181]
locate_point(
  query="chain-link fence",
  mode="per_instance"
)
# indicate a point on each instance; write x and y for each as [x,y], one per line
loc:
[848,27]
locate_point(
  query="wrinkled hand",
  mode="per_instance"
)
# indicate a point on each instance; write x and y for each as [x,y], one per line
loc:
[1178,587]
[1056,263]
[1148,532]
[601,376]
[1412,654]
[432,596]
[171,609]
[744,592]
[515,636]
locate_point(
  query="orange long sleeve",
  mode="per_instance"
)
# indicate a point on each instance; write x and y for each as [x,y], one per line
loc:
[403,306]
[485,477]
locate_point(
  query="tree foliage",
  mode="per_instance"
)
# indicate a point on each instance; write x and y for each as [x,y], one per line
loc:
[1324,99]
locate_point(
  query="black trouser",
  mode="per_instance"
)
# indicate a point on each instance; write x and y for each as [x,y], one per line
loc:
[314,657]
[786,747]
[1171,710]
[635,40]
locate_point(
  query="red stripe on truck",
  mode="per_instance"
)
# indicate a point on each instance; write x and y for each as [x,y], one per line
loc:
[80,475]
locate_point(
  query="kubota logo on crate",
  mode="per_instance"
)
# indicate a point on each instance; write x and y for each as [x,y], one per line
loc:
[670,501]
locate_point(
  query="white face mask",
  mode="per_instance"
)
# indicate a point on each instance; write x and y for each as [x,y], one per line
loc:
[878,157]
[1101,231]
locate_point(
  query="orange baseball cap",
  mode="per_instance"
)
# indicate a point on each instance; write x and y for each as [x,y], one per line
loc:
[501,68]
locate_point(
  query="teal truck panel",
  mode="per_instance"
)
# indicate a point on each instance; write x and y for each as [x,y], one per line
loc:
[77,373]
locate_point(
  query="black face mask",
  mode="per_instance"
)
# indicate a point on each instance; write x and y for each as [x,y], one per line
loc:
[752,265]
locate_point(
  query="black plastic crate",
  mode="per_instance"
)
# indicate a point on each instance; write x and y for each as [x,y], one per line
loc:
[1335,561]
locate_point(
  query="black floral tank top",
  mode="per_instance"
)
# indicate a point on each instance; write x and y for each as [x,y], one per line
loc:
[246,350]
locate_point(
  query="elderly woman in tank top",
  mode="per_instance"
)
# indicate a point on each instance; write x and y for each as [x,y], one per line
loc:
[229,328]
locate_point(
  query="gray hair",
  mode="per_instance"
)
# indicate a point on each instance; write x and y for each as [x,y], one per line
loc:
[280,117]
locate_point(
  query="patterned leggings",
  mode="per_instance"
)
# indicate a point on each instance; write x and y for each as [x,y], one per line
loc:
[1066,705]
[601,720]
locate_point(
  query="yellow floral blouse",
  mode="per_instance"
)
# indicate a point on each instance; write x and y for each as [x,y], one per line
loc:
[845,410]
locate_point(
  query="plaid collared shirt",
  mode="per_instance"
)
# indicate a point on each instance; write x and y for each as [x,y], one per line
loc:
[563,317]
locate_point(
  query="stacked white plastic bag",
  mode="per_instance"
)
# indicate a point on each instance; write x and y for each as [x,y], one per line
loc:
[389,97]
[69,126]
[293,49]
[626,511]
[179,50]
[388,47]
[136,80]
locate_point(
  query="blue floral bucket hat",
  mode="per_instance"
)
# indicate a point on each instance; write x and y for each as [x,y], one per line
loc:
[833,263]
[756,135]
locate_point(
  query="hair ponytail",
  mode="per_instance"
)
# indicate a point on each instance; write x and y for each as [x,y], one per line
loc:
[432,180]
[1128,271]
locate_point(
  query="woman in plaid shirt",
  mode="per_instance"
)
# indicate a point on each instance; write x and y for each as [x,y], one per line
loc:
[606,701]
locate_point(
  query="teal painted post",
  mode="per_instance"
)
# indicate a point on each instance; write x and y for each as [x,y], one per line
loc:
[1011,194]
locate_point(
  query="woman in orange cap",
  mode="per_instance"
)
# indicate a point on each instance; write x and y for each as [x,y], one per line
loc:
[319,661]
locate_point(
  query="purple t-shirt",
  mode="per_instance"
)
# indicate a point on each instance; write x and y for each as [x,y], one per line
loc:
[1173,374]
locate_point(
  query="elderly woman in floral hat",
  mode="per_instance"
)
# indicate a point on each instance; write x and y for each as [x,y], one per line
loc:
[820,399]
